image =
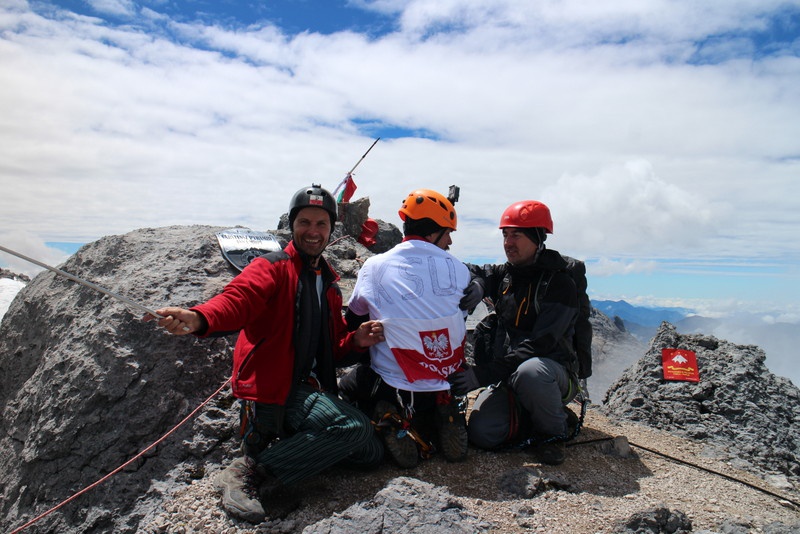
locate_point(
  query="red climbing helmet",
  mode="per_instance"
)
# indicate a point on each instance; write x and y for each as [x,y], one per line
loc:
[527,214]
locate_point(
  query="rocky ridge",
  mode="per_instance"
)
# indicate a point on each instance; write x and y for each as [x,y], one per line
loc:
[5,273]
[737,403]
[85,385]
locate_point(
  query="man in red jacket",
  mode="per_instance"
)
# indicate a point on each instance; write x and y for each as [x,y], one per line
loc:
[287,308]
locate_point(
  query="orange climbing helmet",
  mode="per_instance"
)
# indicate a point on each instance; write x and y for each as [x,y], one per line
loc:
[527,214]
[428,204]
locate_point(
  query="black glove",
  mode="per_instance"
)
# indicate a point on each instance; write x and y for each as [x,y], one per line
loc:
[463,381]
[473,294]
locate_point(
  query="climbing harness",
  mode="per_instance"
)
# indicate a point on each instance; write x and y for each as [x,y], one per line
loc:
[403,427]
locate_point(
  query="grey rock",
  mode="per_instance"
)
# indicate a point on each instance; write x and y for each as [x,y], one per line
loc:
[405,505]
[84,383]
[729,527]
[738,404]
[524,482]
[352,216]
[617,446]
[5,273]
[780,528]
[656,520]
[527,482]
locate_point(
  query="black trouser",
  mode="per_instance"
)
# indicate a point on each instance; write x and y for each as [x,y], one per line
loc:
[363,387]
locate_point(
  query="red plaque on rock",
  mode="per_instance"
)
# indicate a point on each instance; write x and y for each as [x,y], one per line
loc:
[679,364]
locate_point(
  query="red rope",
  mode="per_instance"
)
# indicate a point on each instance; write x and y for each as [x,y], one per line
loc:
[123,466]
[339,239]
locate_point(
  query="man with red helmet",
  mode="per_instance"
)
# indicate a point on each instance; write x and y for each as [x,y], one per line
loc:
[287,308]
[414,290]
[529,360]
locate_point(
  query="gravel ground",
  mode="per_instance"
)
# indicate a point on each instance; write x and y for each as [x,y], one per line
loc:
[592,491]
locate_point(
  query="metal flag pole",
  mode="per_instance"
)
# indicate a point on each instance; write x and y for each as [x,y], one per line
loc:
[354,167]
[365,155]
[90,285]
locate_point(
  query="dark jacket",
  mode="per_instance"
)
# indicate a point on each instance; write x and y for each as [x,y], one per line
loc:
[522,331]
[271,303]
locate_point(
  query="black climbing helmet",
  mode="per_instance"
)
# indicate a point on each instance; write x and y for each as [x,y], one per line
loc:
[313,196]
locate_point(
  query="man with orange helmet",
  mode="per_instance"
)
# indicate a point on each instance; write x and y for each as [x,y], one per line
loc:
[414,290]
[530,359]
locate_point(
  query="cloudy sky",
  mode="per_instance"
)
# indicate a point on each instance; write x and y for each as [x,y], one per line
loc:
[664,135]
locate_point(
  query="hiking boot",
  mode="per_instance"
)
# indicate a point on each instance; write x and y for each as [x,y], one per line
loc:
[401,447]
[240,483]
[549,453]
[451,426]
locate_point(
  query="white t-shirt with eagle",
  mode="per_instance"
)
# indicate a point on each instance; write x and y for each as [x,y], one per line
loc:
[414,290]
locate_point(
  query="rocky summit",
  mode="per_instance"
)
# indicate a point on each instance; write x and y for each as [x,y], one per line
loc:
[85,384]
[91,393]
[744,412]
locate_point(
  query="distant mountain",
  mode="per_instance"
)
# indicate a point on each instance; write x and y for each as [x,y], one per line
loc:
[778,339]
[640,315]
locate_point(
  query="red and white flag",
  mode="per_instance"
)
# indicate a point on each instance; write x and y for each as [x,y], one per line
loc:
[427,348]
[349,188]
[680,364]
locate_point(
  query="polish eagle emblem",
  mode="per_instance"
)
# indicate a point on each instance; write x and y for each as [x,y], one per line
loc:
[436,344]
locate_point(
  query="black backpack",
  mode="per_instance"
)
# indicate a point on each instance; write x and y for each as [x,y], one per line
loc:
[582,339]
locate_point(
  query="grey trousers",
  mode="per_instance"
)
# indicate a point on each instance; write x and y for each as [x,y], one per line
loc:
[540,386]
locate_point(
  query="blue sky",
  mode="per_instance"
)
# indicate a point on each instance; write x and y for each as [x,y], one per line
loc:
[664,136]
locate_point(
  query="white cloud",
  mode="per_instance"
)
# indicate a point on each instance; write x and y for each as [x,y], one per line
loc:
[593,109]
[124,8]
[627,208]
[555,24]
[607,267]
[26,244]
[8,290]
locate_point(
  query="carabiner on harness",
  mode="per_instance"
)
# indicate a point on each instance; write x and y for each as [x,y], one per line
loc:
[403,427]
